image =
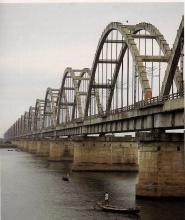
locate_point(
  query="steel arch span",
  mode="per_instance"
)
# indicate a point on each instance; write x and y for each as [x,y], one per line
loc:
[72,95]
[50,108]
[39,114]
[177,54]
[112,64]
[31,119]
[133,75]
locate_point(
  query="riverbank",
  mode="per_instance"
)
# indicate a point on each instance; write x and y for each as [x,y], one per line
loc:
[7,145]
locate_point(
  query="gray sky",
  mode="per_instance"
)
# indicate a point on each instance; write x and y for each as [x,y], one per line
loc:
[38,41]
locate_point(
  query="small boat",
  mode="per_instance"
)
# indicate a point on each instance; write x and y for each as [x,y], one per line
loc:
[66,177]
[110,208]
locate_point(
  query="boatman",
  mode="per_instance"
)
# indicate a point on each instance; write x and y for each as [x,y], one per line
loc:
[106,198]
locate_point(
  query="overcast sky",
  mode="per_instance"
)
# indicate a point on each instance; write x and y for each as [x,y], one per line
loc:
[38,41]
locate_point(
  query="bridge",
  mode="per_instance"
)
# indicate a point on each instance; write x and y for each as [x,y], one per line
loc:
[135,85]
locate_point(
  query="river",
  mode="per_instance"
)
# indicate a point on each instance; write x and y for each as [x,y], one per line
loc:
[32,189]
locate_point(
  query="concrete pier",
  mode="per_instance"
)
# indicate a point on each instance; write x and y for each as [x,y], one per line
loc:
[19,144]
[161,166]
[15,143]
[42,148]
[32,146]
[22,144]
[61,150]
[105,154]
[25,145]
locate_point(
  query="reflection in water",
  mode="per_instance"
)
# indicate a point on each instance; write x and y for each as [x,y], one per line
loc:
[33,189]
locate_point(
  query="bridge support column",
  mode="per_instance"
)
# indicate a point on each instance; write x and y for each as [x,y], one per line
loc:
[25,145]
[13,142]
[105,154]
[42,148]
[32,146]
[20,145]
[161,167]
[61,150]
[16,143]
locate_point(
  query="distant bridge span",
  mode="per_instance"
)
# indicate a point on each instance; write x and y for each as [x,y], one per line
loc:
[135,84]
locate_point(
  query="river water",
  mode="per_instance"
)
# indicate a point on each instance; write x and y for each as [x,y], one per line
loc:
[32,189]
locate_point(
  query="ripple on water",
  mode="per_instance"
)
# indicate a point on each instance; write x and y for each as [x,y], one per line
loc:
[33,189]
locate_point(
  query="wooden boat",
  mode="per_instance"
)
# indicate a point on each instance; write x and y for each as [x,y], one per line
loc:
[66,177]
[110,208]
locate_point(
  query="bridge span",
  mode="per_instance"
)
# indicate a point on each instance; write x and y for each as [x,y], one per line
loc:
[135,85]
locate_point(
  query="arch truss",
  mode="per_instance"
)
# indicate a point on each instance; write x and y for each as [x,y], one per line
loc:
[26,122]
[176,59]
[50,107]
[31,119]
[39,115]
[128,60]
[132,64]
[72,95]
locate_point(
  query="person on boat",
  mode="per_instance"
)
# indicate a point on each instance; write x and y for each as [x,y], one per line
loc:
[106,198]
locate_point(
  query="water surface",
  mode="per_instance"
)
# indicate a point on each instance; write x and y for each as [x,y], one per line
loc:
[32,189]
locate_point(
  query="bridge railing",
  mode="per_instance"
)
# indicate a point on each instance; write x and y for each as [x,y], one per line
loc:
[157,100]
[173,96]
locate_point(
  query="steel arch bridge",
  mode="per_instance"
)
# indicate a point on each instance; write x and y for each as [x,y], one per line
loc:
[135,84]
